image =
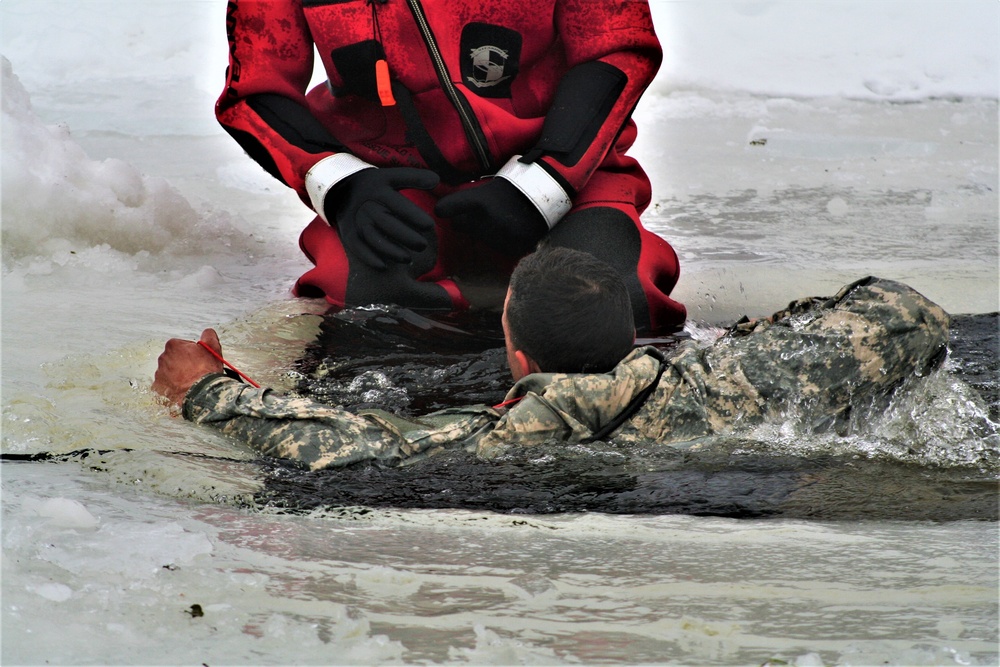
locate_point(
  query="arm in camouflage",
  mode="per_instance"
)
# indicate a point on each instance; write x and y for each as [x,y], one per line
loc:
[569,407]
[321,436]
[287,427]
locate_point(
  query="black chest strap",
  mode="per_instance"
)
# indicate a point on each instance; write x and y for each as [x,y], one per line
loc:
[633,407]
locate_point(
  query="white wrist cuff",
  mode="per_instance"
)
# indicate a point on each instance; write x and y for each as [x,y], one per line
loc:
[327,173]
[538,185]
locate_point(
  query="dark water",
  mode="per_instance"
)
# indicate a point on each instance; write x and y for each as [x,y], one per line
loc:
[404,362]
[407,363]
[975,353]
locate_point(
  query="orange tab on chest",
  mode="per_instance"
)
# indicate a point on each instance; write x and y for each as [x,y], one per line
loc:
[383,84]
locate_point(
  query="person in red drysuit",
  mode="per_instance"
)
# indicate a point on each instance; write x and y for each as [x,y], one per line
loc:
[451,137]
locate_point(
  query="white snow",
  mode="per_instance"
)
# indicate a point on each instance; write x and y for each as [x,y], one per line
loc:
[879,50]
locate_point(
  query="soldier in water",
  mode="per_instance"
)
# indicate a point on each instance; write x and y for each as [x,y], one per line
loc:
[569,332]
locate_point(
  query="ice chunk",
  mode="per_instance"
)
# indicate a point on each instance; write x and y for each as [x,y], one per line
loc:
[67,513]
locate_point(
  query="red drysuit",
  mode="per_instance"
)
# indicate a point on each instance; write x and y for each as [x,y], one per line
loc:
[538,92]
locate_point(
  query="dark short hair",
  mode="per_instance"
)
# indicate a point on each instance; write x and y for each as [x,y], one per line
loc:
[570,312]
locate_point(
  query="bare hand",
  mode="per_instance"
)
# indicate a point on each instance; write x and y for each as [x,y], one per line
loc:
[183,363]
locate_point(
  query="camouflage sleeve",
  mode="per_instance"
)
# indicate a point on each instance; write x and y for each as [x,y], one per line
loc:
[452,428]
[569,407]
[314,434]
[532,422]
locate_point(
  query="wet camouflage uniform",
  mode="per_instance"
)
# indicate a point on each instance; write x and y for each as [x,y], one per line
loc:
[817,360]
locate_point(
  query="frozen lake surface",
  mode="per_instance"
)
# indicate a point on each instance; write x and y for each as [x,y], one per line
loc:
[784,163]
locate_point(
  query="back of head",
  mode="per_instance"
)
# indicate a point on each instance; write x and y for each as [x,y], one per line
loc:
[570,312]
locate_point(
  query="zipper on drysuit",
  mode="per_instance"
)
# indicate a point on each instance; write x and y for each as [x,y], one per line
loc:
[472,129]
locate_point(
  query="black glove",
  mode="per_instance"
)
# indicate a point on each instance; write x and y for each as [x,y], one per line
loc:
[377,224]
[496,213]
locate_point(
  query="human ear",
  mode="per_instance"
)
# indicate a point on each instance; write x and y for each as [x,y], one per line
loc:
[521,364]
[527,364]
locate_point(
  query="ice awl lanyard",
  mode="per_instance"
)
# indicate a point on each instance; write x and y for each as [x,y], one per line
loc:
[226,363]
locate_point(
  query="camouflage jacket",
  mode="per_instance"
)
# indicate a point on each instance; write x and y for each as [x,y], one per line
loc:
[815,360]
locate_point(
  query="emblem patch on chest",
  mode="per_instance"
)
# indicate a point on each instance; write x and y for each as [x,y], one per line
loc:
[490,58]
